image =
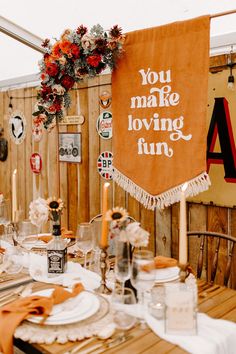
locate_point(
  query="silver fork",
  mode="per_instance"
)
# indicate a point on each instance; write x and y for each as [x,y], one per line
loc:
[22,290]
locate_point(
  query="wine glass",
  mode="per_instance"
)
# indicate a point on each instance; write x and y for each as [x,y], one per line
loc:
[142,275]
[123,309]
[84,239]
[27,236]
[122,262]
[4,213]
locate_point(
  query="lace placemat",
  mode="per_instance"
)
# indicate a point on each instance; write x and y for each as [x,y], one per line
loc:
[36,333]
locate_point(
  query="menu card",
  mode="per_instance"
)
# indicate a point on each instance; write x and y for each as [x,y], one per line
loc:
[180,310]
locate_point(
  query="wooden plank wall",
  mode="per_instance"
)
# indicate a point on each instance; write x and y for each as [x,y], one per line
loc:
[80,185]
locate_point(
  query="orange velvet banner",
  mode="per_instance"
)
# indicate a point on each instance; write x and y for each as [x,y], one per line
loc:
[159,104]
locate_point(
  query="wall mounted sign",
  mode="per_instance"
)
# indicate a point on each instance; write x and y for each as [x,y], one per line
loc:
[104,125]
[70,147]
[105,99]
[104,165]
[36,163]
[17,127]
[72,120]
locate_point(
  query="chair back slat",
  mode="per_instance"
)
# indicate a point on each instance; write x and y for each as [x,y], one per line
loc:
[215,260]
[229,263]
[201,257]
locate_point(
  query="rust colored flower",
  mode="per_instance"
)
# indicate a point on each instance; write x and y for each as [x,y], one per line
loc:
[115,31]
[56,50]
[75,51]
[94,60]
[101,45]
[67,82]
[52,69]
[45,43]
[81,30]
[65,46]
[55,107]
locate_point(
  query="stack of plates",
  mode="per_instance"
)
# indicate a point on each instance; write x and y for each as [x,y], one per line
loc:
[165,275]
[72,310]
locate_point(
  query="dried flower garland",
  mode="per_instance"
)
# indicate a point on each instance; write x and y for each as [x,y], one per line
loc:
[77,55]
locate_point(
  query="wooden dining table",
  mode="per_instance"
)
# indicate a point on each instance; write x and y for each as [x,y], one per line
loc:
[214,300]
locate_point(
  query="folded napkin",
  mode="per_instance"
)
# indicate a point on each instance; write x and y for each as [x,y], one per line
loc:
[164,262]
[215,336]
[12,314]
[64,233]
[160,262]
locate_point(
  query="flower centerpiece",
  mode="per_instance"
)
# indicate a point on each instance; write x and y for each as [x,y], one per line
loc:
[42,210]
[76,55]
[121,226]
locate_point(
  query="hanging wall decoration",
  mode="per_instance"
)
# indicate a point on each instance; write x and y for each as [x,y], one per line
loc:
[159,106]
[77,55]
[105,99]
[17,127]
[70,147]
[104,164]
[36,163]
[104,125]
[37,128]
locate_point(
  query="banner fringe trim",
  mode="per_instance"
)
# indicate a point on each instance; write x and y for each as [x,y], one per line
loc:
[196,185]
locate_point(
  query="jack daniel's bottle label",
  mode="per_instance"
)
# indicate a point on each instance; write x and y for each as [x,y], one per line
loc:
[57,261]
[57,252]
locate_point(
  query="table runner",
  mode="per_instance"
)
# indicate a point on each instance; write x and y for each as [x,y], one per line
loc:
[159,95]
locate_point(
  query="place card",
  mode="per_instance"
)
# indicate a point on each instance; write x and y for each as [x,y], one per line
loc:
[180,310]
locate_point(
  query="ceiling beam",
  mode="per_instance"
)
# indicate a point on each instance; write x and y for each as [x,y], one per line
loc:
[21,34]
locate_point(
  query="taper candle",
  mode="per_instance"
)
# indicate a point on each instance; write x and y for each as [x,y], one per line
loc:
[14,196]
[104,235]
[183,251]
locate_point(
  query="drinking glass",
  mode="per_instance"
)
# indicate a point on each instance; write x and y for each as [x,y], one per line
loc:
[123,309]
[27,236]
[142,275]
[84,239]
[122,262]
[13,260]
[4,213]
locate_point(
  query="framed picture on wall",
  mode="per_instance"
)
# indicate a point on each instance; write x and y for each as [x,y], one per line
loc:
[70,147]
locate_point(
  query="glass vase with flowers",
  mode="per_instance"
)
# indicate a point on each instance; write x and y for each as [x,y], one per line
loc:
[125,236]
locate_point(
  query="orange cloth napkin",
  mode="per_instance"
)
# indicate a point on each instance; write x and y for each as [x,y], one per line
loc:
[159,263]
[12,314]
[2,250]
[64,233]
[164,262]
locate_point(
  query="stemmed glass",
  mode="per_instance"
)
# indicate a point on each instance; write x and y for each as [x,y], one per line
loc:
[122,262]
[27,236]
[123,313]
[84,239]
[142,274]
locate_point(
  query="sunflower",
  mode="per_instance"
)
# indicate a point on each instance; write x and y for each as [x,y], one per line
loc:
[55,205]
[117,215]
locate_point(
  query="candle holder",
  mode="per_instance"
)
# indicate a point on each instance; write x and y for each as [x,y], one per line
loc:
[103,289]
[183,271]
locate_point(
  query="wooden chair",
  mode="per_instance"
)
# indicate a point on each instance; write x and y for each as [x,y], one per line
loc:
[99,217]
[211,244]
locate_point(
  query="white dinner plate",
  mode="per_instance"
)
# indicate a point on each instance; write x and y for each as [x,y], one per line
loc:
[39,243]
[72,310]
[167,274]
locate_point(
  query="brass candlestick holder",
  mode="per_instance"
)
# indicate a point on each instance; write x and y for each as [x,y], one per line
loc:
[183,271]
[103,289]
